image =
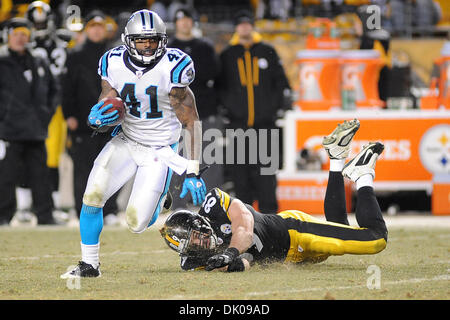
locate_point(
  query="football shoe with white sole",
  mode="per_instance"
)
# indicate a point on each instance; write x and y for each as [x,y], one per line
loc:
[82,270]
[363,162]
[337,143]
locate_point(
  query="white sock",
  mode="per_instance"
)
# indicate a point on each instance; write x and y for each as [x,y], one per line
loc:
[56,197]
[24,199]
[337,164]
[365,180]
[90,254]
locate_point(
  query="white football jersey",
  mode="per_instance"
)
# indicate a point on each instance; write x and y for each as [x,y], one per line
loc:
[149,119]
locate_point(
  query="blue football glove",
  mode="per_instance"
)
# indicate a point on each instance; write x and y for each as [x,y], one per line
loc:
[196,186]
[97,118]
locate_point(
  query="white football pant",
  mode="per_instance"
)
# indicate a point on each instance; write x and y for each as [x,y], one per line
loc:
[119,160]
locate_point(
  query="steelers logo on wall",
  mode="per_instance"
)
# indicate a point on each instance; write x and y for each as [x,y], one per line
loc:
[434,149]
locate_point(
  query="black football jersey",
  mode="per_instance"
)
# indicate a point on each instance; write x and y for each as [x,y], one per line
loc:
[270,236]
[55,52]
[215,208]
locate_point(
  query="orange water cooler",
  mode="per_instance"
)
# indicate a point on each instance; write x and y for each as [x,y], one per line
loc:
[319,73]
[431,101]
[360,70]
[444,81]
[439,90]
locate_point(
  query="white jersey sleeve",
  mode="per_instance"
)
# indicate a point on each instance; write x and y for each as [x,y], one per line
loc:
[103,65]
[183,73]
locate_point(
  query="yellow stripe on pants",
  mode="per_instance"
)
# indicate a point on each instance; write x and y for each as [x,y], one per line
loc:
[315,248]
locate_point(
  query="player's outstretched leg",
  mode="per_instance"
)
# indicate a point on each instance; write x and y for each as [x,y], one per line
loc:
[337,145]
[361,170]
[91,225]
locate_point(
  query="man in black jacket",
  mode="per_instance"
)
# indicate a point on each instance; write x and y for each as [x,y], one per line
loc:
[254,91]
[27,95]
[81,88]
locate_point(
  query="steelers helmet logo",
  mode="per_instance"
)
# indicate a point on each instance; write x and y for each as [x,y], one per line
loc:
[225,228]
[434,149]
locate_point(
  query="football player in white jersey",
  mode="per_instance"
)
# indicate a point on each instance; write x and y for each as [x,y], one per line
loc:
[153,81]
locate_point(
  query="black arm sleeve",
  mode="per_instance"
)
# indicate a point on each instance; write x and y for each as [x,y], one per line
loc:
[192,263]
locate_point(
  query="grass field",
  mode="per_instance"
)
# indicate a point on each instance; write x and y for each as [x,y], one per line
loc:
[415,265]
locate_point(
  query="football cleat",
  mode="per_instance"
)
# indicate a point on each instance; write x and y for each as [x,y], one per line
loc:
[337,144]
[364,162]
[82,270]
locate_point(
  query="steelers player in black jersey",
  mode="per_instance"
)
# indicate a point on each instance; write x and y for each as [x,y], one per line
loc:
[227,234]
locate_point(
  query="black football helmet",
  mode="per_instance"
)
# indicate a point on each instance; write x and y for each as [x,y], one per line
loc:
[40,15]
[189,233]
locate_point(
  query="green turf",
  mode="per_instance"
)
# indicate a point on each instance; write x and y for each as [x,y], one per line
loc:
[415,265]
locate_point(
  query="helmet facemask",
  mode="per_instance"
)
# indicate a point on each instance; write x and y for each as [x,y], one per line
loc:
[145,24]
[193,238]
[41,30]
[145,56]
[200,243]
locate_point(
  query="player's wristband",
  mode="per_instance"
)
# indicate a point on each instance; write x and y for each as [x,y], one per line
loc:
[232,252]
[193,167]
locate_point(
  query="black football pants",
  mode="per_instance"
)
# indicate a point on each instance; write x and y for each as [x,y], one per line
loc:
[319,239]
[368,213]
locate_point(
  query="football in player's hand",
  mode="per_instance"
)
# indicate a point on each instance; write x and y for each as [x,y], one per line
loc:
[117,104]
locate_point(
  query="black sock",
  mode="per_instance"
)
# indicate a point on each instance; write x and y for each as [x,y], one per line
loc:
[368,212]
[334,204]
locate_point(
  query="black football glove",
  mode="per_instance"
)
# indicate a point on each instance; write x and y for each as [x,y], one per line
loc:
[222,259]
[237,265]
